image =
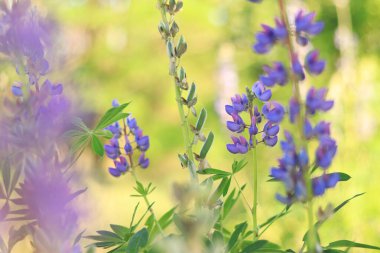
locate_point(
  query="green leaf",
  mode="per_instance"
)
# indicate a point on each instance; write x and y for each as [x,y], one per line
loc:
[137,241]
[336,209]
[97,146]
[239,229]
[343,176]
[206,146]
[191,94]
[211,171]
[262,246]
[350,244]
[201,120]
[181,47]
[238,166]
[167,218]
[219,191]
[120,230]
[112,115]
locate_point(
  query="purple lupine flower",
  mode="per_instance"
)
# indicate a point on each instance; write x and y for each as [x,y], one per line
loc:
[269,36]
[261,92]
[143,162]
[294,109]
[24,38]
[297,68]
[255,1]
[316,100]
[46,197]
[273,111]
[308,129]
[312,64]
[325,152]
[17,91]
[276,74]
[112,150]
[237,125]
[141,140]
[326,181]
[265,39]
[322,129]
[132,124]
[270,140]
[240,145]
[271,129]
[239,103]
[305,26]
[128,148]
[257,114]
[121,167]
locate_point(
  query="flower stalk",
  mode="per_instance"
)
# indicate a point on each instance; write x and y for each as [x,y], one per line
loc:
[168,29]
[301,119]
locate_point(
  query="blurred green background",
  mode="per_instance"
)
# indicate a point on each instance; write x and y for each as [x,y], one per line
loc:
[112,49]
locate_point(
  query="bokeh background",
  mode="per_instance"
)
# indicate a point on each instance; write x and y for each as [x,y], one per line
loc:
[111,49]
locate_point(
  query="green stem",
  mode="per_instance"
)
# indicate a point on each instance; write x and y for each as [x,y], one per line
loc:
[149,205]
[184,121]
[312,233]
[254,189]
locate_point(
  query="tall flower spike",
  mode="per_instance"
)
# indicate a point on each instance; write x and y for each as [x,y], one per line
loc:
[114,152]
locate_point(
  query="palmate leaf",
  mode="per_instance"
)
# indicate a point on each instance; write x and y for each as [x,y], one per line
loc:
[262,246]
[350,244]
[137,241]
[112,115]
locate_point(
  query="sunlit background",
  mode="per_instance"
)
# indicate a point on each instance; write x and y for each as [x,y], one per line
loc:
[111,49]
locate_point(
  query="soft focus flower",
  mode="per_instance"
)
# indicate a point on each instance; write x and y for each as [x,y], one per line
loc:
[237,125]
[325,152]
[273,111]
[316,100]
[124,161]
[294,109]
[306,26]
[46,198]
[297,68]
[269,36]
[275,75]
[240,145]
[261,92]
[312,64]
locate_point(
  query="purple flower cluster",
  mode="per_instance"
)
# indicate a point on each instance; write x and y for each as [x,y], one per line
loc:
[294,167]
[123,162]
[24,37]
[271,110]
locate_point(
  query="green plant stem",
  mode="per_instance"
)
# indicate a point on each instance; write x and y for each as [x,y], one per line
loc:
[254,189]
[184,121]
[312,233]
[242,194]
[149,205]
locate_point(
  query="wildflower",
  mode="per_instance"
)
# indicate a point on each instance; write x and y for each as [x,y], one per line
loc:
[143,162]
[275,75]
[113,151]
[305,26]
[297,68]
[239,103]
[273,111]
[269,36]
[294,109]
[237,125]
[325,152]
[326,181]
[261,92]
[312,64]
[322,129]
[240,145]
[316,100]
